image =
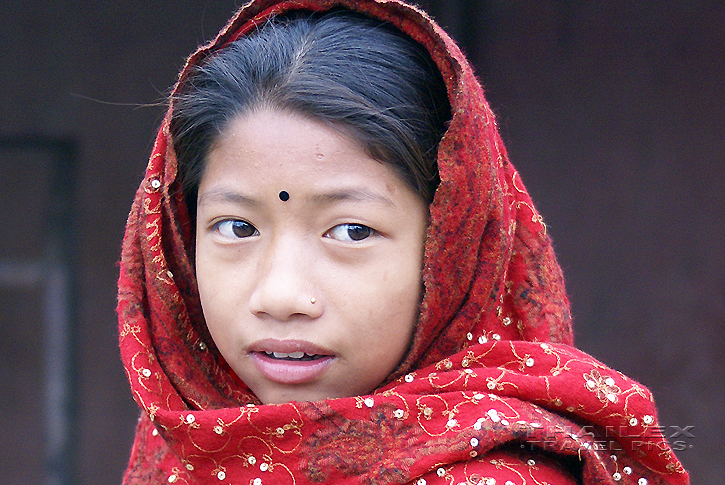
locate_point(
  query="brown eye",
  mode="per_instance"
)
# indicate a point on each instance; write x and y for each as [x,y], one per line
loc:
[236,229]
[350,232]
[358,232]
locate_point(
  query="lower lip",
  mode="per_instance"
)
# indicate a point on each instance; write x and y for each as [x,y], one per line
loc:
[290,372]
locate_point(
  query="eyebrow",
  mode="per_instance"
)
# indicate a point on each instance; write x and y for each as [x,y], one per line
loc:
[351,195]
[223,195]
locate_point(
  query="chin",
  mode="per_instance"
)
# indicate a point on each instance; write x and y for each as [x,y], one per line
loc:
[290,394]
[282,396]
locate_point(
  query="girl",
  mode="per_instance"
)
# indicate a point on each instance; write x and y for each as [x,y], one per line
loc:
[332,273]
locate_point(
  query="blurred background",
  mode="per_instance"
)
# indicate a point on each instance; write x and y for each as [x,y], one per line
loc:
[613,112]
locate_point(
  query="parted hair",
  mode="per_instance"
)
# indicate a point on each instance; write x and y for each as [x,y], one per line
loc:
[359,75]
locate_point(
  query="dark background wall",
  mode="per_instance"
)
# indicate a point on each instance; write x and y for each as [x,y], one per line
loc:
[613,112]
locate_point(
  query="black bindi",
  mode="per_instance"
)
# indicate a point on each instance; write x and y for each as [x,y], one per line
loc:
[284,196]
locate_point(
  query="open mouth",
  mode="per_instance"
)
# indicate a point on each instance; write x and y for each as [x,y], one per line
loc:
[294,356]
[296,367]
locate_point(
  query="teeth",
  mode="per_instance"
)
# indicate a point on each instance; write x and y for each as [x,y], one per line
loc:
[292,355]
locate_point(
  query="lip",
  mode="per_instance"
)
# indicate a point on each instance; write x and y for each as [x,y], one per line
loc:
[285,371]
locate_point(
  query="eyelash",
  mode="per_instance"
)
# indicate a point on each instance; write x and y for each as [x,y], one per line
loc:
[239,229]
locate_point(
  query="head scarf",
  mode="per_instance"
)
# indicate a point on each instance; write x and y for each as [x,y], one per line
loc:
[491,391]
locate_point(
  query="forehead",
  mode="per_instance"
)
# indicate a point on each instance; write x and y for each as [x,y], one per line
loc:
[296,153]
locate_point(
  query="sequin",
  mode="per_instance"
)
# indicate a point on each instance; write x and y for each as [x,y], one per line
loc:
[257,481]
[469,336]
[633,422]
[627,470]
[493,414]
[190,418]
[190,467]
[474,442]
[482,339]
[452,423]
[617,476]
[173,478]
[421,481]
[642,481]
[398,413]
[369,402]
[218,429]
[440,472]
[155,432]
[251,460]
[155,183]
[468,371]
[647,419]
[609,381]
[506,322]
[478,396]
[491,385]
[221,475]
[146,372]
[530,362]
[409,378]
[531,462]
[496,336]
[280,431]
[264,467]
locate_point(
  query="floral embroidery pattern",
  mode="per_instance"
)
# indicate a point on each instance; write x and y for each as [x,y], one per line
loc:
[603,387]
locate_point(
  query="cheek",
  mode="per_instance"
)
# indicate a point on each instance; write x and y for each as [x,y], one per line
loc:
[392,309]
[220,293]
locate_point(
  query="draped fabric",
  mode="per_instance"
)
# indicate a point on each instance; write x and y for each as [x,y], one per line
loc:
[491,391]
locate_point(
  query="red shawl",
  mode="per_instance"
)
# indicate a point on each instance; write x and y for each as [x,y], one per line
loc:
[491,391]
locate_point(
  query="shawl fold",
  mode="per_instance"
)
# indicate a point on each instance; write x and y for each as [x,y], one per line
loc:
[491,389]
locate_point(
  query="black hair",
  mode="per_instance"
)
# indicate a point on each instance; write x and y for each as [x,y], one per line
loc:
[355,73]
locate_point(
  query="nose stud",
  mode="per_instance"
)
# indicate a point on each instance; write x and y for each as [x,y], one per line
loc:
[313,300]
[284,196]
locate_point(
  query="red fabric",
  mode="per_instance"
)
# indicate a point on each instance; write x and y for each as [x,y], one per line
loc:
[491,390]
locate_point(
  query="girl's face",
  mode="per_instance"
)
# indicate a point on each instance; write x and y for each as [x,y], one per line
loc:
[308,259]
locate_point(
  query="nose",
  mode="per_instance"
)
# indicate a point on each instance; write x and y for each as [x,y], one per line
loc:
[285,289]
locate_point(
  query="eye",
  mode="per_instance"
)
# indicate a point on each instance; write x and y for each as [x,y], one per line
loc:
[235,229]
[350,232]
